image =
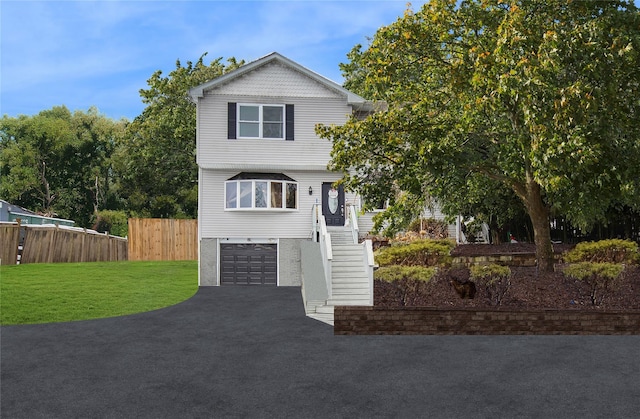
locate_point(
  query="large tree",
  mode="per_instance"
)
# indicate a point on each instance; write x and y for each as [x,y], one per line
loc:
[538,98]
[58,162]
[156,163]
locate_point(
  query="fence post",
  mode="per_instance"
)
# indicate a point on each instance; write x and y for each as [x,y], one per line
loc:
[17,243]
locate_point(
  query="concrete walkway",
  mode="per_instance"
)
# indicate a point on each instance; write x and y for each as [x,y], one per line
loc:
[234,352]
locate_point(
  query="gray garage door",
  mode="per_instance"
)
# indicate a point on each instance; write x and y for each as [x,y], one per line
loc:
[248,264]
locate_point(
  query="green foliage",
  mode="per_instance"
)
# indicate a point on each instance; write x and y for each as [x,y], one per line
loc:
[583,270]
[115,223]
[397,272]
[494,278]
[431,227]
[400,211]
[489,272]
[408,282]
[487,101]
[45,293]
[75,165]
[156,159]
[59,163]
[418,253]
[612,251]
[601,277]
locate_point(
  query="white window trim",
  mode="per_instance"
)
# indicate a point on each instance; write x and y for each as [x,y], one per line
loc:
[261,120]
[268,195]
[385,206]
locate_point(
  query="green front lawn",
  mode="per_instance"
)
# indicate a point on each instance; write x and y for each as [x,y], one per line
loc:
[44,293]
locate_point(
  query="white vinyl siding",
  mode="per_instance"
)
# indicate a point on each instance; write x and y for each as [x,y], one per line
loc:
[215,222]
[276,80]
[271,85]
[220,156]
[306,151]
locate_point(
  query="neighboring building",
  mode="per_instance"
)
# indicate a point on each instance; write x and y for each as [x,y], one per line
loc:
[12,213]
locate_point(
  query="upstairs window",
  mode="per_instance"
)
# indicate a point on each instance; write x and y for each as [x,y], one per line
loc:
[260,121]
[261,191]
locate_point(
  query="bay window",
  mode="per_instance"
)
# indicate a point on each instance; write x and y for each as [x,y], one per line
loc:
[261,191]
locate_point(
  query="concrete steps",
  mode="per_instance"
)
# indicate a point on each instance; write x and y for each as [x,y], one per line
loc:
[319,310]
[349,282]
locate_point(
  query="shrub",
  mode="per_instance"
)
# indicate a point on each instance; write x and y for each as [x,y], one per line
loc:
[495,279]
[422,253]
[610,251]
[396,272]
[600,276]
[408,282]
[114,222]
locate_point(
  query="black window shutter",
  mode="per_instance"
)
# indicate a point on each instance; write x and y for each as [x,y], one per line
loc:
[231,127]
[289,122]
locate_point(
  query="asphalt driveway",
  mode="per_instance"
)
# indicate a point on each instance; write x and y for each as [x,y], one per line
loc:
[250,352]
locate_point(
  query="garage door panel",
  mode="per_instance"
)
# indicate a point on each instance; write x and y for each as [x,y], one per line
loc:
[248,264]
[256,280]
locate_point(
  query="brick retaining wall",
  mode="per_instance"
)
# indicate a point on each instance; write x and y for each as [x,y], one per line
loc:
[358,320]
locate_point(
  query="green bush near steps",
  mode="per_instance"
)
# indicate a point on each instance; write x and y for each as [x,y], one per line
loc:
[407,282]
[488,273]
[395,273]
[418,253]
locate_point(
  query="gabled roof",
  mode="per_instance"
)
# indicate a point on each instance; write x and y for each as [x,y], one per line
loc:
[352,99]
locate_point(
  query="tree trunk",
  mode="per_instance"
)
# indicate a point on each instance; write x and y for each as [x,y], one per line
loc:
[48,198]
[539,214]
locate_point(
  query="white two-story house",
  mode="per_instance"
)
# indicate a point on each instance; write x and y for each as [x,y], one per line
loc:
[267,206]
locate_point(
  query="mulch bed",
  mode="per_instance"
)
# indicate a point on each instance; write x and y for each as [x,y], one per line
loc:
[503,249]
[529,288]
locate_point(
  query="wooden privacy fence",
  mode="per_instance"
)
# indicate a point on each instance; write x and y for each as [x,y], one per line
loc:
[9,240]
[54,244]
[163,239]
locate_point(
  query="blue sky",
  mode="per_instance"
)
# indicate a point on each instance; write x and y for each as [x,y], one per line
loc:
[101,53]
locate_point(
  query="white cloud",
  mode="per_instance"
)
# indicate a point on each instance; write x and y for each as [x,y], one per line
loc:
[317,32]
[76,52]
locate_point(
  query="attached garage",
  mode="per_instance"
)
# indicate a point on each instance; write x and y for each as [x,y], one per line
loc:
[248,264]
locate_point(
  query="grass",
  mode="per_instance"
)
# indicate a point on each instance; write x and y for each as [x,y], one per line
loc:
[46,293]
